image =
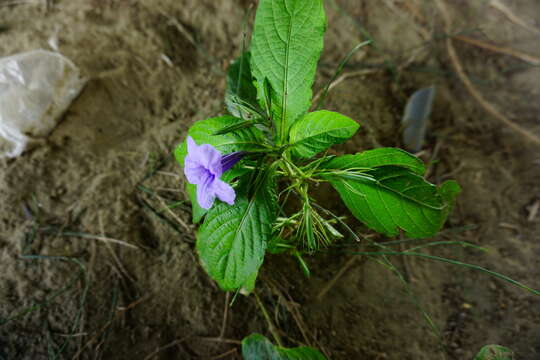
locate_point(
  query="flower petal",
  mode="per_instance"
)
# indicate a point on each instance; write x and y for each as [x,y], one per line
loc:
[191,145]
[206,155]
[205,194]
[195,172]
[210,158]
[229,160]
[223,191]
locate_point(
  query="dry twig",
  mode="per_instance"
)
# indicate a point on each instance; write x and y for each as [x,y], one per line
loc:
[292,308]
[226,341]
[329,285]
[501,50]
[271,326]
[165,347]
[100,331]
[470,87]
[176,217]
[121,269]
[420,29]
[342,78]
[533,210]
[497,4]
[109,240]
[20,2]
[225,315]
[224,355]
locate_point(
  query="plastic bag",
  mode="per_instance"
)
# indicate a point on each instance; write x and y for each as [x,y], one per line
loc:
[416,118]
[36,87]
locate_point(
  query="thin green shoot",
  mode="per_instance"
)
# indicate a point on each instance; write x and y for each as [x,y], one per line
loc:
[303,265]
[465,244]
[338,72]
[458,229]
[159,215]
[271,326]
[156,166]
[414,299]
[340,221]
[454,262]
[244,37]
[410,292]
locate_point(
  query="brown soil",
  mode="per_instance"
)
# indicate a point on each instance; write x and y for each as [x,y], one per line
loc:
[155,67]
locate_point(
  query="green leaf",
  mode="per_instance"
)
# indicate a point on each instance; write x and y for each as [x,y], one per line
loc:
[303,265]
[249,284]
[197,212]
[235,127]
[390,198]
[317,131]
[233,239]
[257,347]
[203,133]
[277,245]
[241,95]
[376,158]
[308,226]
[286,45]
[494,352]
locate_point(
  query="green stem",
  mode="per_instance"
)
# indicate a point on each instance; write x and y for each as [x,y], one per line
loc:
[271,326]
[454,262]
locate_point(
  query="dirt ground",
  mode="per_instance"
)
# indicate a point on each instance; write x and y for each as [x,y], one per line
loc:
[68,290]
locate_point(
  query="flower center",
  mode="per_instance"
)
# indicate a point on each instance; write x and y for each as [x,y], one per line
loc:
[210,176]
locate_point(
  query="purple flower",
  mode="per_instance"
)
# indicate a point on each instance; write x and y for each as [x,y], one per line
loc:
[203,167]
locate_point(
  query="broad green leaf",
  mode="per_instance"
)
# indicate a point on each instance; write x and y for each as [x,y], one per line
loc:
[197,212]
[249,284]
[203,133]
[317,131]
[233,239]
[257,347]
[235,127]
[286,45]
[241,95]
[390,198]
[377,158]
[494,352]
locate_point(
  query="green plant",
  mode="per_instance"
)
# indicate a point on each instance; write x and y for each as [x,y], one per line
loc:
[257,347]
[269,148]
[494,352]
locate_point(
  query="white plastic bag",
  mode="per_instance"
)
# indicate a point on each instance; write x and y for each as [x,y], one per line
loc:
[36,87]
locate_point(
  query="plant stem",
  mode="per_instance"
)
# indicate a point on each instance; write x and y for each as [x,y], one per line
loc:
[272,327]
[454,262]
